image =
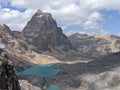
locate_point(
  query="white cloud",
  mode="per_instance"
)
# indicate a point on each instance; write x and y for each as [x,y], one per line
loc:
[54,4]
[67,12]
[91,21]
[15,19]
[100,4]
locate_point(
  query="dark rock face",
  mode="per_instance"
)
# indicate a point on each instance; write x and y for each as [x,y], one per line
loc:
[43,33]
[8,78]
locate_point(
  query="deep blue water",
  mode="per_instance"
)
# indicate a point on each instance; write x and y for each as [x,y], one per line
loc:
[43,70]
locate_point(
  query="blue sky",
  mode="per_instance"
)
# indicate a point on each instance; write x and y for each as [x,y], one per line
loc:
[83,16]
[110,23]
[8,5]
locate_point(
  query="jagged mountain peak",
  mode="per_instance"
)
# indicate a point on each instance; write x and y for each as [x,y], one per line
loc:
[40,23]
[5,31]
[42,15]
[43,18]
[42,32]
[40,12]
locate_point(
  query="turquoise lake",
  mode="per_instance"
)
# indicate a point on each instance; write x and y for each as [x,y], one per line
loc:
[43,70]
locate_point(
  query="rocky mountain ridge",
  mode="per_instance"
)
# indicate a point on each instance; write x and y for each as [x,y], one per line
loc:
[95,46]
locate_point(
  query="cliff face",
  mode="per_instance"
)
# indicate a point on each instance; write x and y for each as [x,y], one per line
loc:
[8,78]
[95,46]
[43,33]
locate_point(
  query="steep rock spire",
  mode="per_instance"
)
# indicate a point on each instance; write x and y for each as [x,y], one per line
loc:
[42,32]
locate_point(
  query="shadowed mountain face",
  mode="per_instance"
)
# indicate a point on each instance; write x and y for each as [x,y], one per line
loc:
[43,33]
[95,46]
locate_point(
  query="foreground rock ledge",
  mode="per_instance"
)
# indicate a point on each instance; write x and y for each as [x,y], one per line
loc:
[8,78]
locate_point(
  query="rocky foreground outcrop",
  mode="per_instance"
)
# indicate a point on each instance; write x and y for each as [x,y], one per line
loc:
[8,78]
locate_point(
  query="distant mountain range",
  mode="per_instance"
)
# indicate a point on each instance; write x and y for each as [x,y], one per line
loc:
[95,46]
[42,41]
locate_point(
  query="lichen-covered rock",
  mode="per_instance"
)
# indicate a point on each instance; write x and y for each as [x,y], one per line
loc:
[8,78]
